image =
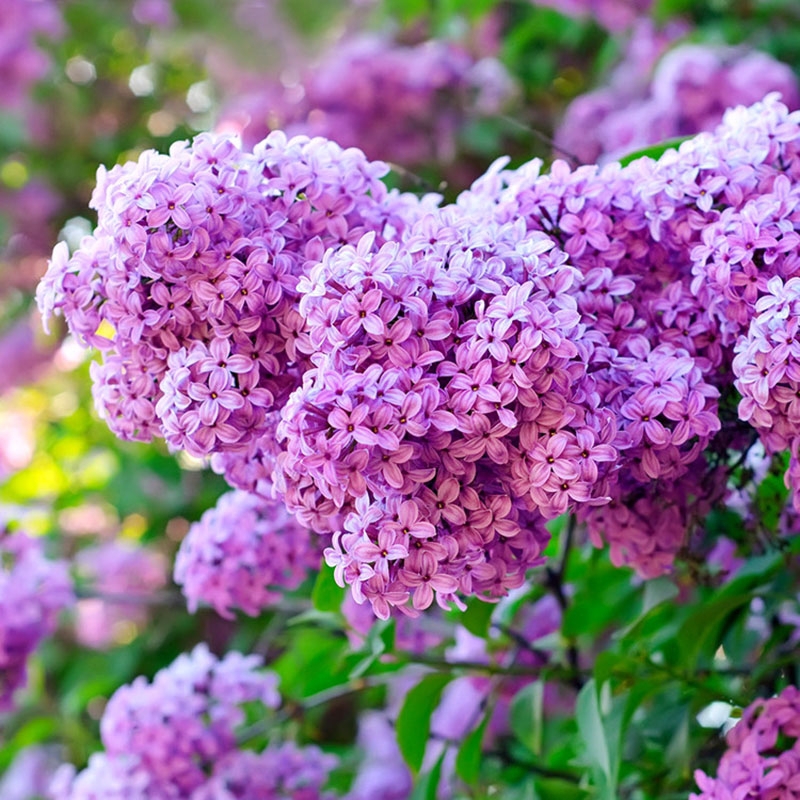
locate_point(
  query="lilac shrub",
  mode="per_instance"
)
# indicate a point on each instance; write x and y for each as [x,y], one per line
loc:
[763,756]
[33,591]
[432,383]
[243,554]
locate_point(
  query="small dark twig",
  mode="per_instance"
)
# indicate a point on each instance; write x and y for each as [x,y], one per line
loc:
[555,583]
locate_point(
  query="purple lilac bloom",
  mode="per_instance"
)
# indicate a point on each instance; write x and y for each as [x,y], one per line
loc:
[243,554]
[690,88]
[189,282]
[163,738]
[122,569]
[649,346]
[404,103]
[22,61]
[434,370]
[763,756]
[442,380]
[33,591]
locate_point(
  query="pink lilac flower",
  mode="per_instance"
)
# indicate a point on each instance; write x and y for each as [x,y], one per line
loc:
[243,554]
[431,384]
[763,753]
[163,738]
[688,92]
[33,591]
[197,257]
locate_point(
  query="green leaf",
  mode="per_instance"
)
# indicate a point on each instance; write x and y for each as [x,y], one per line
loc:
[468,759]
[601,735]
[425,788]
[557,789]
[414,720]
[327,595]
[525,716]
[477,618]
[379,639]
[654,151]
[703,625]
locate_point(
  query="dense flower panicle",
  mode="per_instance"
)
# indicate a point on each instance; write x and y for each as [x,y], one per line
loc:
[407,104]
[690,88]
[162,738]
[448,403]
[243,553]
[33,591]
[655,356]
[189,281]
[763,756]
[122,573]
[174,739]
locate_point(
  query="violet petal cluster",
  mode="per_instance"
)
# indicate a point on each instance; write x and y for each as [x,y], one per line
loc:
[243,554]
[430,384]
[175,739]
[689,90]
[763,756]
[33,591]
[188,283]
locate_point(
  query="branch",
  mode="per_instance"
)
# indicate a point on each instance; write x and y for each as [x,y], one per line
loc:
[555,583]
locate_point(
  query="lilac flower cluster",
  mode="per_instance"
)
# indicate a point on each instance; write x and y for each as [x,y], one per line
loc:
[435,372]
[33,591]
[763,756]
[175,739]
[690,88]
[121,572]
[431,384]
[407,103]
[188,284]
[243,553]
[22,61]
[648,367]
